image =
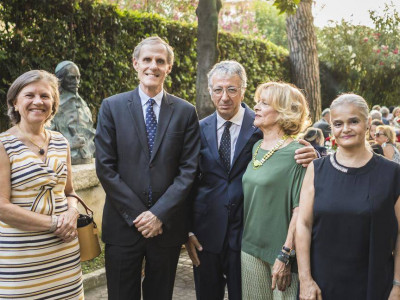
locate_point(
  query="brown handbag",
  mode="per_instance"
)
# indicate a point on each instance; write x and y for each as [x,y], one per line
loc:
[87,233]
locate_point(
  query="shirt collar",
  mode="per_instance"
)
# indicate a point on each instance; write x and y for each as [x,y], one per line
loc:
[144,98]
[236,119]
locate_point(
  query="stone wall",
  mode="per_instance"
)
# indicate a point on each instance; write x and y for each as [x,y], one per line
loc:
[88,187]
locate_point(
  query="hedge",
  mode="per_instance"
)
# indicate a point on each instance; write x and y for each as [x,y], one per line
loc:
[100,39]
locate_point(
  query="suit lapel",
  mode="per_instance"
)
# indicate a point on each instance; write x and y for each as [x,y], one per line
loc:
[136,110]
[166,111]
[245,133]
[210,132]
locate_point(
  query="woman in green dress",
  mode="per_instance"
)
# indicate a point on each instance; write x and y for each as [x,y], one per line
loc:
[271,186]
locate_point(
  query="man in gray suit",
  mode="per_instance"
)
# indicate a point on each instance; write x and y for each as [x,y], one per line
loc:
[147,146]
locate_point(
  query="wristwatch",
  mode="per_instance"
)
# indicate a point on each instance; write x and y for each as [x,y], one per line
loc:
[292,252]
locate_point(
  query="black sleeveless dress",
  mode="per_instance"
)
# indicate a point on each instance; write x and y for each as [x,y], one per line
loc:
[355,228]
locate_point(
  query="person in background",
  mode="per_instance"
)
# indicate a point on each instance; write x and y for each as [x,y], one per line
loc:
[347,234]
[271,189]
[39,249]
[376,107]
[396,117]
[324,124]
[386,137]
[376,115]
[385,115]
[371,131]
[316,138]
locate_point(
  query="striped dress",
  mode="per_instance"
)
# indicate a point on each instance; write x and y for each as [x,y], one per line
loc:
[37,264]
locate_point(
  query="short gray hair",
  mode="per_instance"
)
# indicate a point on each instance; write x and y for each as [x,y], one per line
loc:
[384,111]
[352,99]
[230,68]
[326,111]
[152,41]
[375,115]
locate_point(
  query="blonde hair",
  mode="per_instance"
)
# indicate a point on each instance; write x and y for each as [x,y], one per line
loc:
[289,102]
[388,131]
[395,110]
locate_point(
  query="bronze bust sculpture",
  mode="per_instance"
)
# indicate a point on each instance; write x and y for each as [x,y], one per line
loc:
[74,118]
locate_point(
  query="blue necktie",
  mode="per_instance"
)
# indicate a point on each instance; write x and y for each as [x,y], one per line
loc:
[225,147]
[151,129]
[151,124]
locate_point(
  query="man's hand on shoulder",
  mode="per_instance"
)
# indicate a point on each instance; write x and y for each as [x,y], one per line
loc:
[148,224]
[304,156]
[192,246]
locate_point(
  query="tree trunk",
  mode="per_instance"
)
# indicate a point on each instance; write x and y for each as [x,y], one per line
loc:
[304,57]
[207,52]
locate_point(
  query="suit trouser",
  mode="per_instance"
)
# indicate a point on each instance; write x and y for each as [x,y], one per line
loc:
[215,272]
[124,269]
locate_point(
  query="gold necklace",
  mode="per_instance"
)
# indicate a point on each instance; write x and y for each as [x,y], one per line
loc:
[258,163]
[41,150]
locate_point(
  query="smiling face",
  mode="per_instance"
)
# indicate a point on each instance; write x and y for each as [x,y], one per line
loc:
[226,94]
[348,126]
[152,67]
[266,115]
[71,80]
[34,102]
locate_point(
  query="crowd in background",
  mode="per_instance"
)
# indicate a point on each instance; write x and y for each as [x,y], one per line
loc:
[383,135]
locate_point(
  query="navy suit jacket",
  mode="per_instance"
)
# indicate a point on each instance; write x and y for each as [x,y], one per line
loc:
[126,169]
[217,198]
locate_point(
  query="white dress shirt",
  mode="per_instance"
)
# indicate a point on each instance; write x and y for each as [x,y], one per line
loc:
[234,130]
[156,106]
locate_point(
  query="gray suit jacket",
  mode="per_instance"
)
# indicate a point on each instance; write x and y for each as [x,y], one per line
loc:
[126,170]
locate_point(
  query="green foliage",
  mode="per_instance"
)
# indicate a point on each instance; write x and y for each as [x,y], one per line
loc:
[270,23]
[288,6]
[362,60]
[258,18]
[100,39]
[182,10]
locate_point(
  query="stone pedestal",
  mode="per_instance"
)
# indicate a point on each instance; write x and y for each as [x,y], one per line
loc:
[88,187]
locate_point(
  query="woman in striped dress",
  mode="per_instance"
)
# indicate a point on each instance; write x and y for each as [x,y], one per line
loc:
[39,250]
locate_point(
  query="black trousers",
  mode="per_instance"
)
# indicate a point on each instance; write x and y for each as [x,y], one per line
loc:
[124,269]
[215,272]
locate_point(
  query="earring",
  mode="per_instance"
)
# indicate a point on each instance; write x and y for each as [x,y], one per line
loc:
[15,108]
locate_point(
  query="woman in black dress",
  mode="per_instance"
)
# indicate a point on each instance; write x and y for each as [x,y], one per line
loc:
[347,237]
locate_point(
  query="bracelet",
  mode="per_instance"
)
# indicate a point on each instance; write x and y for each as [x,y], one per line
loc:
[395,282]
[283,257]
[54,222]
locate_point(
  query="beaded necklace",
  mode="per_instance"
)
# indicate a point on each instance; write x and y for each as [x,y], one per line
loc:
[258,163]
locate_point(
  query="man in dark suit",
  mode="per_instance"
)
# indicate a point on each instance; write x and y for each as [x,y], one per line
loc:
[147,146]
[227,139]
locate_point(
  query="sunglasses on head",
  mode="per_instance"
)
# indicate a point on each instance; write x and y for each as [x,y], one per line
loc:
[378,134]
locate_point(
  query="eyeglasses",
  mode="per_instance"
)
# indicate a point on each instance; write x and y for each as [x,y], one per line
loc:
[378,134]
[231,91]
